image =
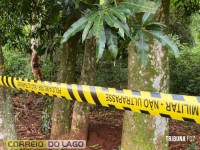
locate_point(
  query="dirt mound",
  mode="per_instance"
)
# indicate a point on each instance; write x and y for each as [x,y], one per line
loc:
[105,127]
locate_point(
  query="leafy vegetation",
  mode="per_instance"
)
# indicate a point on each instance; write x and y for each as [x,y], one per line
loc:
[185,73]
[186,7]
[113,73]
[181,12]
[193,146]
[17,64]
[46,117]
[103,22]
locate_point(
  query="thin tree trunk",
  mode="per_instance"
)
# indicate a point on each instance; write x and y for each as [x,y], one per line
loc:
[141,131]
[61,117]
[1,97]
[9,118]
[7,121]
[61,113]
[79,129]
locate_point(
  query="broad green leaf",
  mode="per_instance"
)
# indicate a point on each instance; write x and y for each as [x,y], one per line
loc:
[121,32]
[98,24]
[124,26]
[118,13]
[142,47]
[76,27]
[155,26]
[86,30]
[76,3]
[165,40]
[111,21]
[88,27]
[143,55]
[100,44]
[112,42]
[125,11]
[140,6]
[147,17]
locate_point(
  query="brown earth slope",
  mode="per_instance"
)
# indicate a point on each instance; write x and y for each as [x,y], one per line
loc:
[105,126]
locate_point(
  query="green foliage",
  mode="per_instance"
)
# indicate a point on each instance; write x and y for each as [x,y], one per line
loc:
[136,6]
[104,22]
[51,23]
[14,15]
[148,28]
[46,117]
[112,42]
[50,69]
[193,146]
[195,28]
[78,26]
[181,12]
[180,26]
[185,73]
[97,22]
[100,44]
[176,39]
[112,73]
[17,64]
[49,17]
[119,147]
[186,7]
[142,47]
[166,41]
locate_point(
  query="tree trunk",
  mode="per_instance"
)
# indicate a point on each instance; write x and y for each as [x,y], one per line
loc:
[1,96]
[141,131]
[9,118]
[61,117]
[61,113]
[79,129]
[7,121]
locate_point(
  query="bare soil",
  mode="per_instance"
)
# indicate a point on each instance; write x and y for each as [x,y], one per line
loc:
[105,126]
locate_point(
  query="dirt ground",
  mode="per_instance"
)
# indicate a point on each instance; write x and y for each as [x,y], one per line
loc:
[105,126]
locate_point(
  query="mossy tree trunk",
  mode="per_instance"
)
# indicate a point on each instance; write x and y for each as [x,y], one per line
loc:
[79,129]
[141,131]
[61,120]
[61,108]
[1,96]
[7,121]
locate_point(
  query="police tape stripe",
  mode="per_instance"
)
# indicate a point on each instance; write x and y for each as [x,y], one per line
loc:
[2,80]
[94,95]
[12,82]
[165,115]
[81,93]
[87,93]
[75,92]
[7,82]
[178,107]
[71,94]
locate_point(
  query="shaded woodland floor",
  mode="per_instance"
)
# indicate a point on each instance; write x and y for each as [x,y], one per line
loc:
[105,126]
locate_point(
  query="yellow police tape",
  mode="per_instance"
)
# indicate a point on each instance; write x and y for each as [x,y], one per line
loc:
[178,107]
